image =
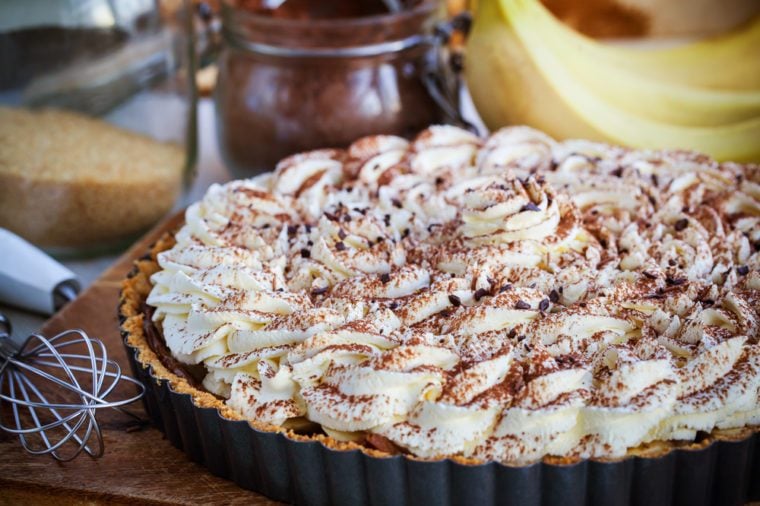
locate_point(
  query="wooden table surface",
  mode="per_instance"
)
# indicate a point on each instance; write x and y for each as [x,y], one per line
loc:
[139,466]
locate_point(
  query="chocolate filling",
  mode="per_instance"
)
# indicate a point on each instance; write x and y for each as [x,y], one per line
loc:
[193,374]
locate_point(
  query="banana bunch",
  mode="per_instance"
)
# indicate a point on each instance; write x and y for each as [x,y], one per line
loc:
[526,67]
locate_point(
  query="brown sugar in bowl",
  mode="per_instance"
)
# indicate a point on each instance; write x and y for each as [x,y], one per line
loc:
[68,181]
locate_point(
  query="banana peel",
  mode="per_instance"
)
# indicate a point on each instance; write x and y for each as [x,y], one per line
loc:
[521,69]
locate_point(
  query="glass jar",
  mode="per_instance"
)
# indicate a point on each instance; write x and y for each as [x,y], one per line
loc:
[97,118]
[290,85]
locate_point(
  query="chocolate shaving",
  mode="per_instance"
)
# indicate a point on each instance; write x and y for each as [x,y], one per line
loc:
[675,281]
[480,293]
[455,301]
[385,277]
[342,234]
[340,246]
[543,305]
[505,288]
[530,207]
[305,253]
[681,224]
[521,304]
[554,296]
[742,270]
[318,291]
[566,360]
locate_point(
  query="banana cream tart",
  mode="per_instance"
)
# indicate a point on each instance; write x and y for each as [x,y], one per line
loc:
[501,299]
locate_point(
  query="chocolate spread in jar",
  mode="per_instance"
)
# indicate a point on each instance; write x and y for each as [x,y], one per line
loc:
[283,89]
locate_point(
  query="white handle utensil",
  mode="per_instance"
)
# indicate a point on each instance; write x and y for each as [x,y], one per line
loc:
[32,280]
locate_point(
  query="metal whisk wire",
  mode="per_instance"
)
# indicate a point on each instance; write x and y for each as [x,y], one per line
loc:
[55,423]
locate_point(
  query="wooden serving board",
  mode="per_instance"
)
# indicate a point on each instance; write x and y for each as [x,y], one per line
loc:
[139,466]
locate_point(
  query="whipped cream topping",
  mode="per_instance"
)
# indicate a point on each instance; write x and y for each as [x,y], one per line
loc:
[503,299]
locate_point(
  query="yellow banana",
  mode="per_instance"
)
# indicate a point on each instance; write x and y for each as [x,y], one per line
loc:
[639,94]
[516,76]
[730,61]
